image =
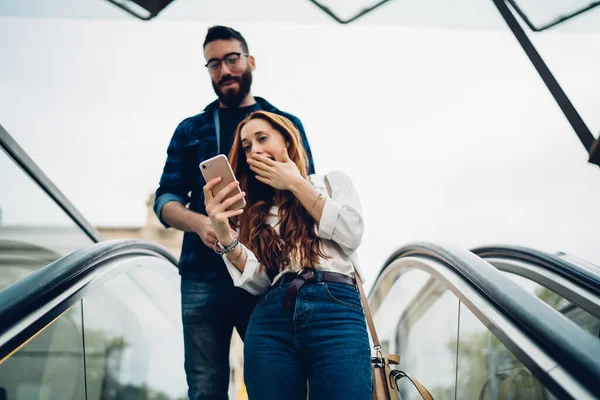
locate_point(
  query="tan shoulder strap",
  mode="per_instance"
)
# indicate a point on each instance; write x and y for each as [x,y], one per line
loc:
[396,375]
[392,358]
[368,316]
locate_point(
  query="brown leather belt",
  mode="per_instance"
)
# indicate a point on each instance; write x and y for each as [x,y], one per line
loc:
[297,280]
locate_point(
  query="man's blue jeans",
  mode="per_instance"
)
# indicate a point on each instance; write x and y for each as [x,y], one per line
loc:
[210,311]
[324,340]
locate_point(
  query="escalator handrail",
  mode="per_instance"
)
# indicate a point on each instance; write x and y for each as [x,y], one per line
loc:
[572,272]
[22,159]
[567,343]
[37,289]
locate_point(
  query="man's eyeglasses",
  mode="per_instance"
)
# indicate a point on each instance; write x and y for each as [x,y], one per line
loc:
[231,59]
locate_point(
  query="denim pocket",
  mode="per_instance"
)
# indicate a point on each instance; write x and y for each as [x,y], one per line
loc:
[343,294]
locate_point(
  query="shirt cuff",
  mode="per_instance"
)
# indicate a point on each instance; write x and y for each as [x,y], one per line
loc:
[251,279]
[331,212]
[160,202]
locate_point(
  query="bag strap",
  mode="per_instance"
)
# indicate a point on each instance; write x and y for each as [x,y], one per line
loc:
[393,359]
[397,375]
[368,316]
[363,297]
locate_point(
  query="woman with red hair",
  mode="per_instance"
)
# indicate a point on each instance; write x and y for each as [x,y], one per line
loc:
[295,248]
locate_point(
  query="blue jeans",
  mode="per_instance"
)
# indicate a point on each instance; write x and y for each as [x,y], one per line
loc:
[210,311]
[324,340]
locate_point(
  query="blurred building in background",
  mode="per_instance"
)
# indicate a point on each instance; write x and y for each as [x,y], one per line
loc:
[152,230]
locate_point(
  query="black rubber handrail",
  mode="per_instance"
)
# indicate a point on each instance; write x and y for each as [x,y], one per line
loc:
[572,272]
[22,159]
[559,337]
[37,289]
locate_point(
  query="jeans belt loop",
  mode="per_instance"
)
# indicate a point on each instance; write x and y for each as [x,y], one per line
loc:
[318,276]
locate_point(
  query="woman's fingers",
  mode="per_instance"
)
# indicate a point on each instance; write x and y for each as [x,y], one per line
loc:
[259,165]
[285,155]
[215,206]
[263,179]
[223,193]
[263,159]
[232,213]
[232,200]
[208,194]
[261,172]
[223,216]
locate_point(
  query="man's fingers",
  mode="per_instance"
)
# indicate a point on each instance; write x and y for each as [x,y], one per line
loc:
[208,232]
[210,238]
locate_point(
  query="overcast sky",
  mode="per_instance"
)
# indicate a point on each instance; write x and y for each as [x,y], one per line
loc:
[449,135]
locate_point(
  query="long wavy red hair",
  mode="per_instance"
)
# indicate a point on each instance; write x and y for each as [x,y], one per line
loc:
[297,239]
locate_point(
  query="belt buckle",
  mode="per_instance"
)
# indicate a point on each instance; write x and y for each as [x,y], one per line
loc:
[307,274]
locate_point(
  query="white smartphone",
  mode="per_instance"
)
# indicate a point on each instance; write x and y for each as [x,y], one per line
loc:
[219,166]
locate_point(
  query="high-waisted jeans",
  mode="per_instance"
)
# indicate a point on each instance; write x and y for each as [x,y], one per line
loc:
[323,341]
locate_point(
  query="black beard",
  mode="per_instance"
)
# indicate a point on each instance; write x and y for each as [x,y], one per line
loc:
[233,99]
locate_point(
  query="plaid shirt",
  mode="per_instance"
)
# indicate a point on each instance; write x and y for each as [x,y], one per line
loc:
[195,140]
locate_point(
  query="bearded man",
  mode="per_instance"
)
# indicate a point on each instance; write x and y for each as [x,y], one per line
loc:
[211,305]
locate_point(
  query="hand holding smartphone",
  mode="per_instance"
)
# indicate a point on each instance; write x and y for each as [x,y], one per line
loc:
[219,166]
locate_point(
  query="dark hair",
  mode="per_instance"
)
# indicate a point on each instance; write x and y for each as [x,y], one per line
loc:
[219,32]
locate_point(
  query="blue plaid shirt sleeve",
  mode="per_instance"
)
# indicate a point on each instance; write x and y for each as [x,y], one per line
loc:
[174,184]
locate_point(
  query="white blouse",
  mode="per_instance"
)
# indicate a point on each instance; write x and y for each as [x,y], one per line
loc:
[341,229]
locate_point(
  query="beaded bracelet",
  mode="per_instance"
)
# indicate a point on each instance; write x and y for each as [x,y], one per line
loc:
[226,249]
